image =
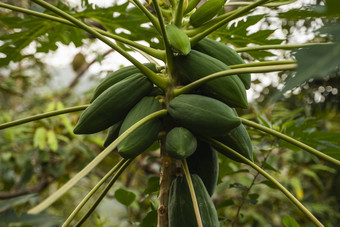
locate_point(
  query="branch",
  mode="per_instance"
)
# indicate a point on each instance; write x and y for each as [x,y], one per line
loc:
[259,69]
[43,183]
[292,141]
[42,116]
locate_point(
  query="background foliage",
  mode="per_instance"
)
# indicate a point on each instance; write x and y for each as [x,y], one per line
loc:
[38,157]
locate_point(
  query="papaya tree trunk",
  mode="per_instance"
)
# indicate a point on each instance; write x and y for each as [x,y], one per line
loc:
[168,172]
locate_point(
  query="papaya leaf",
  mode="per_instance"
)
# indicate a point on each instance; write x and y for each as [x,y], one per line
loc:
[238,34]
[317,61]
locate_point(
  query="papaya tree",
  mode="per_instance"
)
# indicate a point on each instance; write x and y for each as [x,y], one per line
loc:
[185,100]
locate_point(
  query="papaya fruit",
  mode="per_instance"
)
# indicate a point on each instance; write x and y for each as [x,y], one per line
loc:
[225,54]
[112,133]
[204,163]
[228,89]
[203,115]
[117,76]
[181,210]
[238,139]
[113,104]
[143,137]
[178,40]
[180,143]
[205,12]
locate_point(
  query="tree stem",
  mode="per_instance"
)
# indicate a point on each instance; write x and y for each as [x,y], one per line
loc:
[168,172]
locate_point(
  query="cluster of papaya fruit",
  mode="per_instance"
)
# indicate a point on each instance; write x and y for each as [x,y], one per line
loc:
[127,95]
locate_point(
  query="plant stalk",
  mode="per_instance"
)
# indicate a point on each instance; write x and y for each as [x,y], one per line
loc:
[104,192]
[147,13]
[258,69]
[169,59]
[192,193]
[283,47]
[93,190]
[225,150]
[159,81]
[86,170]
[292,141]
[42,116]
[179,13]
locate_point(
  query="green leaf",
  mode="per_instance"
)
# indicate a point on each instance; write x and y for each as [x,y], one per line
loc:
[37,220]
[288,221]
[11,203]
[317,61]
[52,140]
[150,219]
[152,185]
[125,197]
[40,138]
[297,187]
[238,35]
[224,203]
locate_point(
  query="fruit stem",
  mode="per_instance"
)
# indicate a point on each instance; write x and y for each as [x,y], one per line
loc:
[291,140]
[280,46]
[226,150]
[159,54]
[194,40]
[179,14]
[192,192]
[42,116]
[74,180]
[159,81]
[258,69]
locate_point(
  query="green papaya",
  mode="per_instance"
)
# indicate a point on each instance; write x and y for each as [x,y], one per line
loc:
[225,54]
[238,139]
[140,139]
[228,89]
[205,12]
[203,115]
[113,104]
[180,143]
[181,210]
[112,133]
[178,39]
[117,76]
[204,163]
